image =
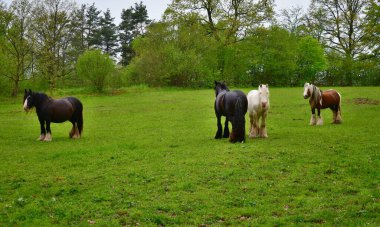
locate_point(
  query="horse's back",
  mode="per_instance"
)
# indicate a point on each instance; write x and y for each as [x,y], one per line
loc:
[330,98]
[253,101]
[62,110]
[232,97]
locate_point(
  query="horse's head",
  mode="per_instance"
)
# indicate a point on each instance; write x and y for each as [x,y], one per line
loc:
[219,87]
[264,94]
[28,100]
[307,90]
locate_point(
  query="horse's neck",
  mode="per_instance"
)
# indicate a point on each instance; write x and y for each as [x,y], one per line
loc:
[42,100]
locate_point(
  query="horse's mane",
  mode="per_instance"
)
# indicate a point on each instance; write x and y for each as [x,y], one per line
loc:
[41,97]
[316,94]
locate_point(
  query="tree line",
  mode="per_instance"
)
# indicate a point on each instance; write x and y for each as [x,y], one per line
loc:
[56,43]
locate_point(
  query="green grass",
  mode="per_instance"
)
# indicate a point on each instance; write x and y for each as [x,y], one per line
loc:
[148,157]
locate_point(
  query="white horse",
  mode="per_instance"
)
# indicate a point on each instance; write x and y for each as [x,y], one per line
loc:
[258,106]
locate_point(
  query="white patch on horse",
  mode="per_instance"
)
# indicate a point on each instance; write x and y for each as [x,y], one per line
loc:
[41,138]
[319,121]
[26,104]
[48,137]
[313,120]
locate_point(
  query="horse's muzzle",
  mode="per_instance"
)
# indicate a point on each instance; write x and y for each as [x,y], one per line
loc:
[26,109]
[263,104]
[305,96]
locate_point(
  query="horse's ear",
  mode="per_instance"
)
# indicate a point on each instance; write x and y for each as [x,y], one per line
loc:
[260,85]
[26,91]
[30,91]
[216,82]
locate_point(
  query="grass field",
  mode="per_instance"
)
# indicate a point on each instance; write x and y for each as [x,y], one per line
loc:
[148,157]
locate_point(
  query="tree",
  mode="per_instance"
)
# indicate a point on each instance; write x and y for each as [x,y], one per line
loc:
[343,33]
[52,35]
[293,19]
[16,46]
[133,24]
[343,25]
[92,26]
[108,34]
[274,56]
[227,20]
[95,67]
[372,28]
[310,60]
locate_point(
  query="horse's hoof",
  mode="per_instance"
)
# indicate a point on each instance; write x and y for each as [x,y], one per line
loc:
[47,137]
[41,138]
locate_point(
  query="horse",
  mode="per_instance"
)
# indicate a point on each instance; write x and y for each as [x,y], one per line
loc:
[322,100]
[233,105]
[56,111]
[258,106]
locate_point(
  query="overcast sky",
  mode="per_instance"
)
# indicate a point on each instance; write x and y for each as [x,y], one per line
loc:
[157,7]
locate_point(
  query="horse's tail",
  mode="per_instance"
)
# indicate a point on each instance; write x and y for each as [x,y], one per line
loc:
[80,120]
[340,101]
[78,112]
[238,122]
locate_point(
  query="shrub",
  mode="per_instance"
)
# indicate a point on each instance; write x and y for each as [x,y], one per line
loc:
[95,67]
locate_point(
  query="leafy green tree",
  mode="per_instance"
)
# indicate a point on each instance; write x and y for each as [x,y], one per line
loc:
[133,24]
[343,31]
[52,33]
[310,60]
[16,47]
[274,56]
[95,67]
[177,57]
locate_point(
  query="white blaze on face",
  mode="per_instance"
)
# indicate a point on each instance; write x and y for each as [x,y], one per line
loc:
[26,104]
[305,89]
[264,94]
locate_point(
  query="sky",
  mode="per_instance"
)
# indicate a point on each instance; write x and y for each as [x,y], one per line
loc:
[156,8]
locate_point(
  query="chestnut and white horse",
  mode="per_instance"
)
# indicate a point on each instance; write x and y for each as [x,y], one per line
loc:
[258,106]
[322,100]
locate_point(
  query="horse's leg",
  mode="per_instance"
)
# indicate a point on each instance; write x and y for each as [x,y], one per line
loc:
[319,120]
[251,128]
[226,133]
[263,129]
[338,118]
[313,120]
[335,114]
[255,131]
[43,131]
[74,133]
[220,129]
[48,134]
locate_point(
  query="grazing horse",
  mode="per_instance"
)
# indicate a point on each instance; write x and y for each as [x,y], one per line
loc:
[258,106]
[232,105]
[57,111]
[322,100]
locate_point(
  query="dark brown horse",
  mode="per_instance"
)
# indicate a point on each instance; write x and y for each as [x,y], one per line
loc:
[321,100]
[56,111]
[233,105]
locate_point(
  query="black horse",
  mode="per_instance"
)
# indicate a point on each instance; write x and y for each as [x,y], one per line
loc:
[57,111]
[233,105]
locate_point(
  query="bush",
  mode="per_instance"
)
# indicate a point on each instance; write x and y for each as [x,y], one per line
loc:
[95,67]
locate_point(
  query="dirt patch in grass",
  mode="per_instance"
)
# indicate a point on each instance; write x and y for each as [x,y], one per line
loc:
[364,101]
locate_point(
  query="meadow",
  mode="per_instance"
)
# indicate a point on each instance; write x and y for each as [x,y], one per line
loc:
[148,157]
